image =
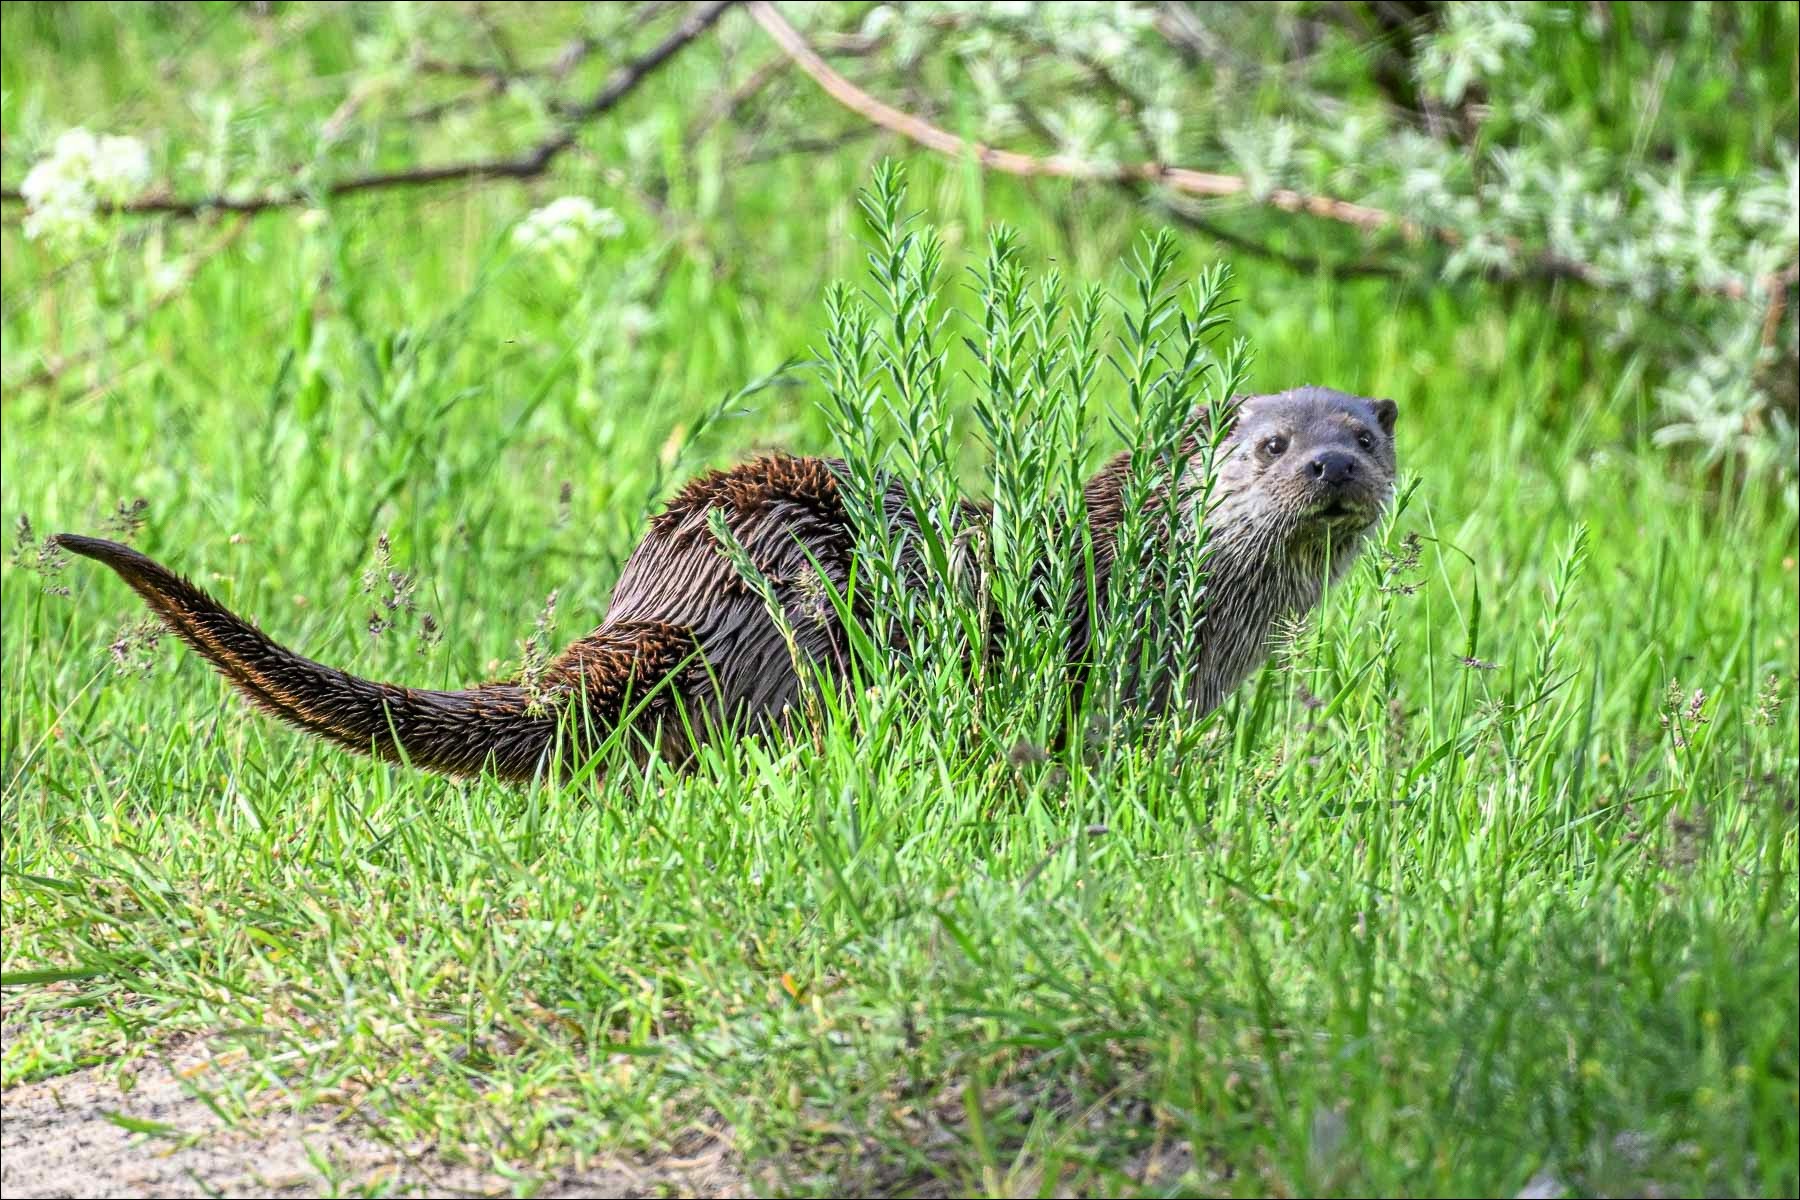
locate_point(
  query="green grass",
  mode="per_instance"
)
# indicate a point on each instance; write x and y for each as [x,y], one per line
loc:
[1452,928]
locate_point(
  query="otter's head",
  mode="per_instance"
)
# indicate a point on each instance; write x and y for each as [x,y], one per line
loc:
[1305,468]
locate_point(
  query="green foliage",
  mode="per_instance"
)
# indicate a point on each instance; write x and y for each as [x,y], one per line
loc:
[1489,878]
[1528,139]
[981,608]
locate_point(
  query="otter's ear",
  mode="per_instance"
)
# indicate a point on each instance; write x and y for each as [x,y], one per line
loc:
[1386,411]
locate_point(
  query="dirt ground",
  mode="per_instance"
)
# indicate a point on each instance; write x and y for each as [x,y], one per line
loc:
[64,1137]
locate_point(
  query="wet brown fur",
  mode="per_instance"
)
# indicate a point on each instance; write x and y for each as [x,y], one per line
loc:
[688,650]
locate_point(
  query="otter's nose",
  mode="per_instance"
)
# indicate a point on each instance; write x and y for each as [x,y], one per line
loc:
[1333,467]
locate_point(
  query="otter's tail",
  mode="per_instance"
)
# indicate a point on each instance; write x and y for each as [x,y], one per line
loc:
[492,727]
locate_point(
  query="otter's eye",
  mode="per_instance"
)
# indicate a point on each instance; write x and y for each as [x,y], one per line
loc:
[1273,446]
[1365,441]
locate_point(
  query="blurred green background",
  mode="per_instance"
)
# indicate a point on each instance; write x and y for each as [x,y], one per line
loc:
[1578,865]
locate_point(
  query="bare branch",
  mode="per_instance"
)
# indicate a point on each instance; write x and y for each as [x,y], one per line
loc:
[1185,179]
[1304,264]
[531,164]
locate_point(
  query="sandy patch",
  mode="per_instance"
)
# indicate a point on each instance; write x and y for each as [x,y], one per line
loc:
[79,1135]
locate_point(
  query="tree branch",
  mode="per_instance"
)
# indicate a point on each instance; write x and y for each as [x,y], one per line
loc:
[532,163]
[1184,179]
[1300,264]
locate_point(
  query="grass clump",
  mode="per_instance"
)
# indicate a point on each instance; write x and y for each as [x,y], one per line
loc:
[969,611]
[1489,877]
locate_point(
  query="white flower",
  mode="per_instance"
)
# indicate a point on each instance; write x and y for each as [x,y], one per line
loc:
[565,223]
[59,223]
[63,189]
[121,168]
[60,178]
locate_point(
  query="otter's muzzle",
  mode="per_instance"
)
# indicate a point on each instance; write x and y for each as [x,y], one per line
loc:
[1333,468]
[1342,490]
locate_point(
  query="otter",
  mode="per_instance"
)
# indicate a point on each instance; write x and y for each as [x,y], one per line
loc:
[1300,480]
